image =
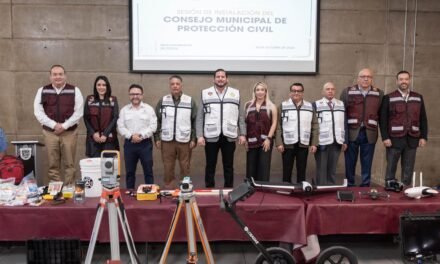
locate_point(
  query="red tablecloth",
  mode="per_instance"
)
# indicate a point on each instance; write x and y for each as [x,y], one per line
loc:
[325,215]
[271,217]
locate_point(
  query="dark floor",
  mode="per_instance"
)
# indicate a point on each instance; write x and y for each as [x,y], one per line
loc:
[384,251]
[368,249]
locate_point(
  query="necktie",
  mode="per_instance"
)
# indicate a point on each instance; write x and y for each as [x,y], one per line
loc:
[330,104]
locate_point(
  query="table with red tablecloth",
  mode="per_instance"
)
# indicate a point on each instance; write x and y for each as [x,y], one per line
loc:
[325,215]
[272,217]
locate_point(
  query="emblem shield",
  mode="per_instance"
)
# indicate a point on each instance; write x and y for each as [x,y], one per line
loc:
[25,153]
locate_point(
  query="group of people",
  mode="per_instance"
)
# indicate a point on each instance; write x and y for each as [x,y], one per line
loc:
[177,124]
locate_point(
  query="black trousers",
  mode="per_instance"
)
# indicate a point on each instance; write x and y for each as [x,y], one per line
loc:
[211,153]
[289,156]
[407,163]
[258,163]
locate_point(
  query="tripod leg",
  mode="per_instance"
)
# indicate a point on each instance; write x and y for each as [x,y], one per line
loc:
[127,234]
[114,233]
[173,226]
[190,233]
[201,230]
[94,235]
[126,225]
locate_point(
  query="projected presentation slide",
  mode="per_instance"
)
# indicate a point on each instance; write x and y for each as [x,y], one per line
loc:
[259,36]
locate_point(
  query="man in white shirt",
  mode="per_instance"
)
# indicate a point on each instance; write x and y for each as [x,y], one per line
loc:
[137,123]
[58,107]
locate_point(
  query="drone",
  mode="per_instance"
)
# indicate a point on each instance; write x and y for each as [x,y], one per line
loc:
[374,194]
[420,191]
[290,188]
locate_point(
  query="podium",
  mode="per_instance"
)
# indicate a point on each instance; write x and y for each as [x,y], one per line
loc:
[29,152]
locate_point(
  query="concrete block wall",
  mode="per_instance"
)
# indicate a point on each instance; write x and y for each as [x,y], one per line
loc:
[91,37]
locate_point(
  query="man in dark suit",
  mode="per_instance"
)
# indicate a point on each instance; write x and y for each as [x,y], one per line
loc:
[362,102]
[404,127]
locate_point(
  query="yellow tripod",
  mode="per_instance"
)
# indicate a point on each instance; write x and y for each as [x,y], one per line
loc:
[187,201]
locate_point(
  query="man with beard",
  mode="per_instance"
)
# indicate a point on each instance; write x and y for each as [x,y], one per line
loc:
[404,127]
[220,121]
[137,123]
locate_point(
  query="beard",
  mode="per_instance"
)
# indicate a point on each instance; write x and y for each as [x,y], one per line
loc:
[135,101]
[221,85]
[404,86]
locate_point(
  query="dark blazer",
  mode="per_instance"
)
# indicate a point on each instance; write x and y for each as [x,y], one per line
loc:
[400,142]
[353,133]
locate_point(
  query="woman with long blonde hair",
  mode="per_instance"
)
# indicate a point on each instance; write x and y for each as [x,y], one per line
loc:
[261,122]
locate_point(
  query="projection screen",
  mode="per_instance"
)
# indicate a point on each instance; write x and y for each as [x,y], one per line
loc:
[258,36]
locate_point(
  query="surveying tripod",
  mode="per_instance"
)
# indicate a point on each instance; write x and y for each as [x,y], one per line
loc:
[187,200]
[111,198]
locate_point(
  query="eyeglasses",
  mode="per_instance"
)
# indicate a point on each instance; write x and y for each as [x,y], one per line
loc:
[366,77]
[296,91]
[135,94]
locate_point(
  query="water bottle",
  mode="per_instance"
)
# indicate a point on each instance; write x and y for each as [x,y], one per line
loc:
[79,195]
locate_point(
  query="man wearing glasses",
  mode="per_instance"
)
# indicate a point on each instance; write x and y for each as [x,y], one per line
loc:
[362,103]
[296,133]
[137,122]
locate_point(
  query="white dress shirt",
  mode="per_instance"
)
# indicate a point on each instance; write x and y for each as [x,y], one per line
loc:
[44,120]
[404,95]
[141,120]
